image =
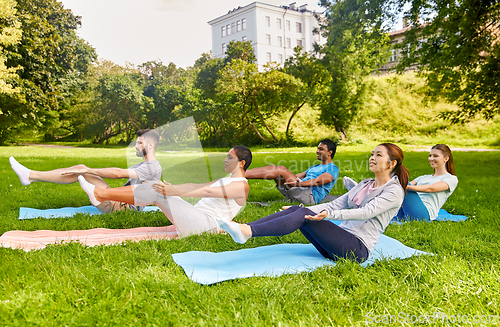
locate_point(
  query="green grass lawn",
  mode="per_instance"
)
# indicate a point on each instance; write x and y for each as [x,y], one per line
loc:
[139,284]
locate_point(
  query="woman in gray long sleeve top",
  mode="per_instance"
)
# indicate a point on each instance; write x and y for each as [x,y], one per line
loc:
[366,211]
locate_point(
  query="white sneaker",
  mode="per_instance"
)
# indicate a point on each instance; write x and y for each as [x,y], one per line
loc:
[349,183]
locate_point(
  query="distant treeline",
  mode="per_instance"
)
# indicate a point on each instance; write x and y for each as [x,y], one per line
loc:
[51,83]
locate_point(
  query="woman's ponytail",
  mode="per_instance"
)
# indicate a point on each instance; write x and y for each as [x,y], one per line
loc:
[403,175]
[395,153]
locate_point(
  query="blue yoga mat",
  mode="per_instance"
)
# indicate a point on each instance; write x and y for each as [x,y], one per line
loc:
[273,260]
[443,215]
[30,213]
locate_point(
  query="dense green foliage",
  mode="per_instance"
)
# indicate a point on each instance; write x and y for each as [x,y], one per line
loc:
[10,33]
[51,59]
[357,44]
[139,284]
[457,46]
[62,94]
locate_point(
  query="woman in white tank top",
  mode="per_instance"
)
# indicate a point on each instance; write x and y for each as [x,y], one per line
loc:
[221,199]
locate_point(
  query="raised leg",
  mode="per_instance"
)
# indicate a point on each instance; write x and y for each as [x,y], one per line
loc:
[57,176]
[277,224]
[271,172]
[280,224]
[107,199]
[334,242]
[120,194]
[187,219]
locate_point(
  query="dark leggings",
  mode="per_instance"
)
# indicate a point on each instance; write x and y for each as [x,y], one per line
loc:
[329,239]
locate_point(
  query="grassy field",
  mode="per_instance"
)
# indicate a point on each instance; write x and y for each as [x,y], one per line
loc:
[139,284]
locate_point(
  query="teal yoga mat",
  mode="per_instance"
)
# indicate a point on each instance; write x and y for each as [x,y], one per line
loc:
[30,213]
[443,215]
[273,260]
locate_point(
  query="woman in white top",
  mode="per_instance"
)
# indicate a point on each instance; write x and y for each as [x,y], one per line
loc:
[221,199]
[427,194]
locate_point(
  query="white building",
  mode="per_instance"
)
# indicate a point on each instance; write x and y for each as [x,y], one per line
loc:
[273,30]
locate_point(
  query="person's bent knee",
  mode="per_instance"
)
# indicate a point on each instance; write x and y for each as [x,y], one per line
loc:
[281,168]
[305,211]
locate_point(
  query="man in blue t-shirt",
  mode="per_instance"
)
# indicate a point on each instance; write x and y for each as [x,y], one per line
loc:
[308,187]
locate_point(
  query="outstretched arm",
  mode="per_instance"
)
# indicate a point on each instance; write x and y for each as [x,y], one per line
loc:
[233,190]
[322,179]
[113,173]
[301,175]
[165,188]
[436,187]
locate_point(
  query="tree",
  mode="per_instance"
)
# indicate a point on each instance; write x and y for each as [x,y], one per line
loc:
[10,34]
[240,50]
[121,107]
[258,96]
[165,85]
[309,69]
[457,47]
[357,44]
[210,68]
[207,77]
[49,50]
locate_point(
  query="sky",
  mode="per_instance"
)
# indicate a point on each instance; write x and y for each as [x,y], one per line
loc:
[137,31]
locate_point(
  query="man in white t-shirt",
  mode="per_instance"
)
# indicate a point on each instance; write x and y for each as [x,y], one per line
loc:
[149,169]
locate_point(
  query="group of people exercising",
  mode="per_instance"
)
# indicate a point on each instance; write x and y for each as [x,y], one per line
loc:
[365,210]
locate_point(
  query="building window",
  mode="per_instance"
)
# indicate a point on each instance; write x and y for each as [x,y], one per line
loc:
[228,29]
[268,21]
[278,23]
[288,25]
[280,59]
[244,24]
[269,57]
[394,55]
[299,27]
[238,26]
[280,41]
[223,48]
[244,38]
[299,43]
[223,31]
[288,43]
[268,39]
[233,28]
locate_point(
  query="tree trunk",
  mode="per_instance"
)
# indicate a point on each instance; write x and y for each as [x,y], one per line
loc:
[236,138]
[343,135]
[262,120]
[253,126]
[130,118]
[291,117]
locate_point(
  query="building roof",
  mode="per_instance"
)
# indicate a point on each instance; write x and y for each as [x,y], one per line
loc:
[401,31]
[239,10]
